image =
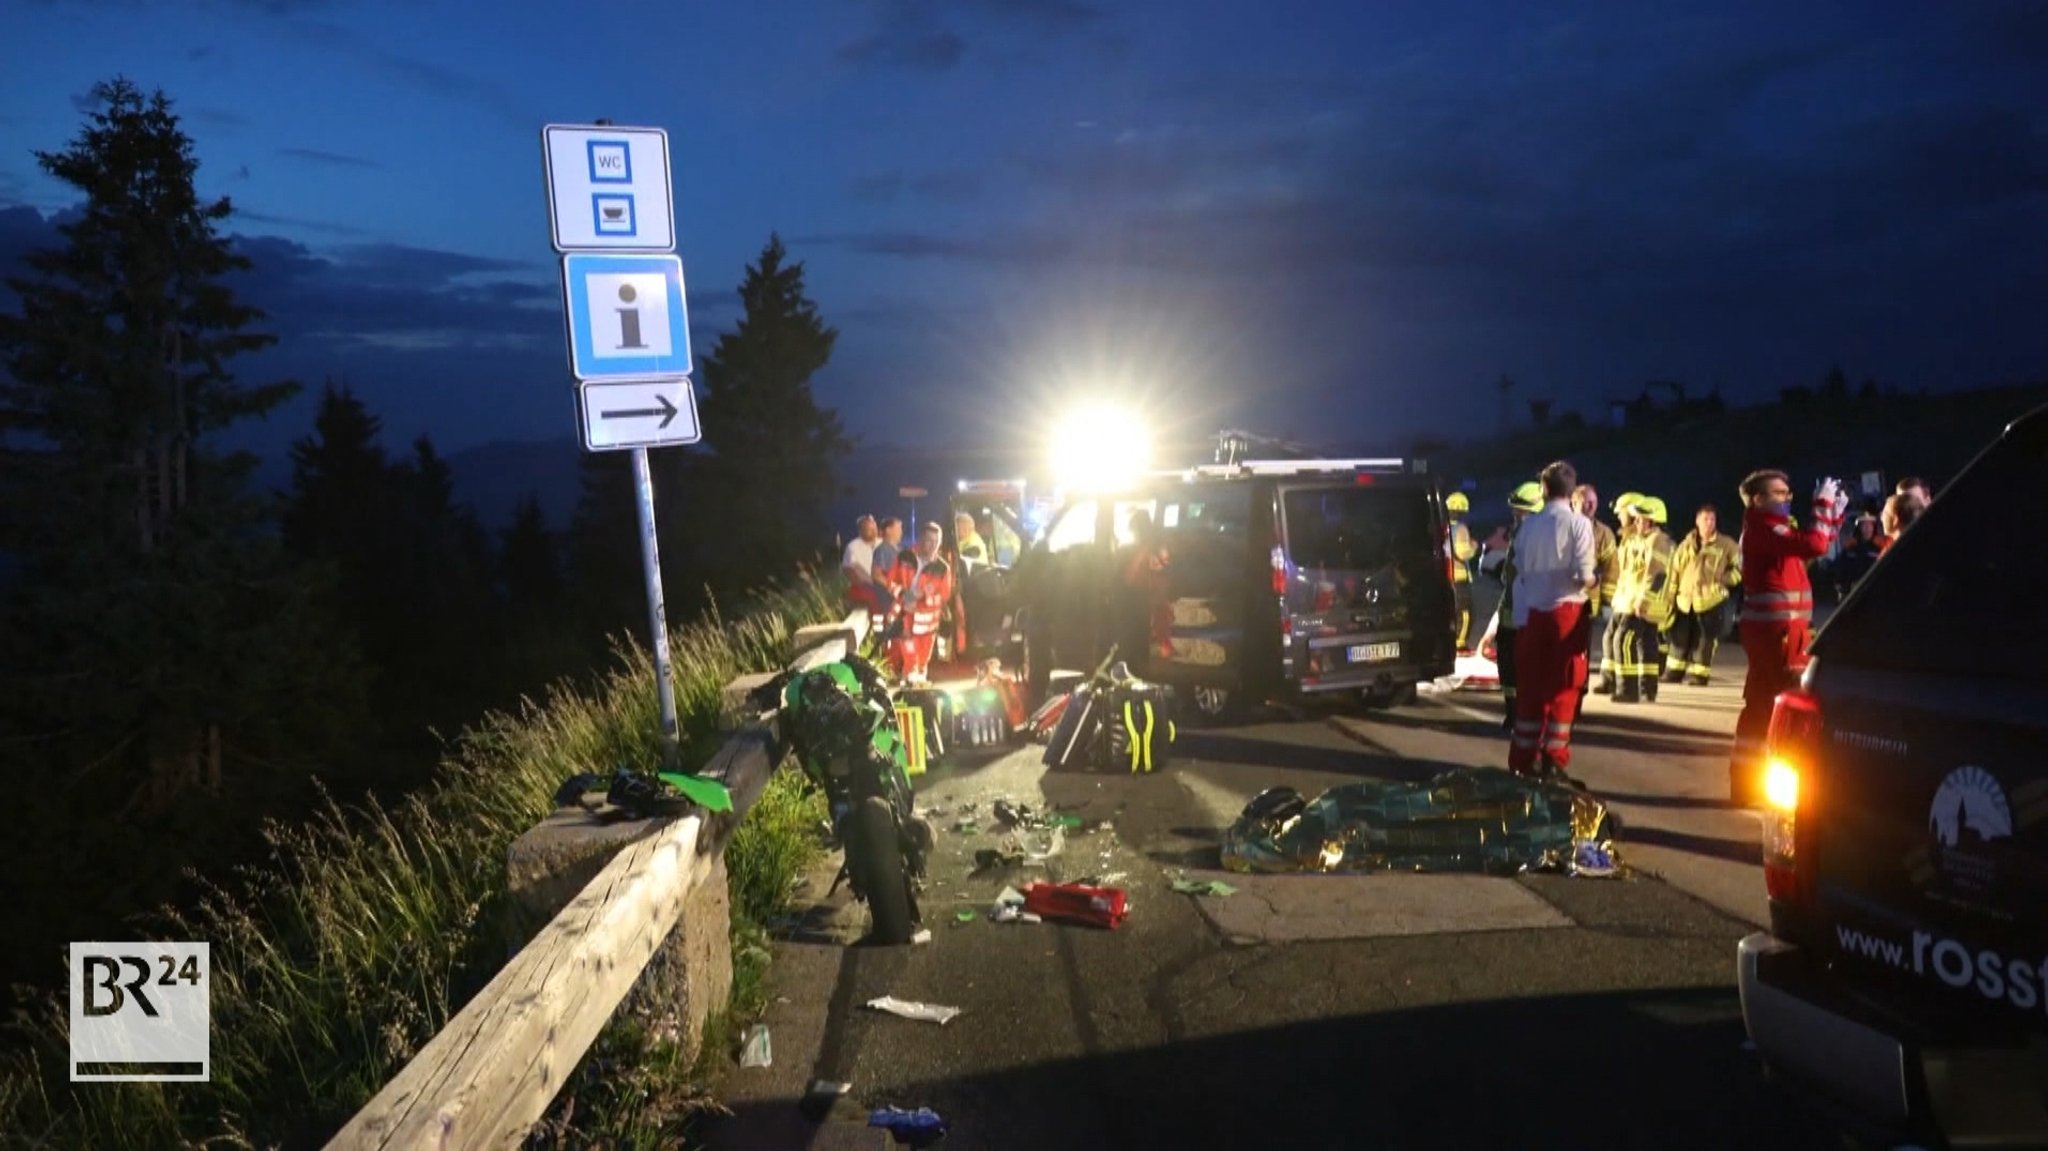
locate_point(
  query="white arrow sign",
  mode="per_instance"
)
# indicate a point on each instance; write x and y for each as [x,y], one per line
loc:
[641,414]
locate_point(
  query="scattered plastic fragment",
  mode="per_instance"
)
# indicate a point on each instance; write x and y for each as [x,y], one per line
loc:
[1064,822]
[1203,887]
[924,935]
[757,1051]
[919,1128]
[820,1095]
[966,827]
[989,858]
[1008,913]
[963,915]
[1010,897]
[1076,903]
[923,1012]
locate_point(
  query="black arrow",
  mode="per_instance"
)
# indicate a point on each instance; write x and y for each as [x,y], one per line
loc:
[667,412]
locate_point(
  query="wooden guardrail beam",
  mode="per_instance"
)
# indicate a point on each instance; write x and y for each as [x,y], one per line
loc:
[487,1077]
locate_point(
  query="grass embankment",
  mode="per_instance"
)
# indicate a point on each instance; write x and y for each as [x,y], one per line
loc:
[368,929]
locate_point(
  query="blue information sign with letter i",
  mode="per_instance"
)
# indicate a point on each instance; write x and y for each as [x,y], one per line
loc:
[627,319]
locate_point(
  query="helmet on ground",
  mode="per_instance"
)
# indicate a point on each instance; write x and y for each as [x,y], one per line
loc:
[1527,497]
[1458,502]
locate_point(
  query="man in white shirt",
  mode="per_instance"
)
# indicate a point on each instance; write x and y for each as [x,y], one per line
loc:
[1554,577]
[858,565]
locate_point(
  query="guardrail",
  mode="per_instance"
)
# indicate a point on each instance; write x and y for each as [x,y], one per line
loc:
[490,1075]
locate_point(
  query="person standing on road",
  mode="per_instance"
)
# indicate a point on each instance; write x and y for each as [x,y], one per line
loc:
[1554,577]
[1642,602]
[1607,564]
[858,566]
[1777,609]
[1610,636]
[1707,567]
[1461,550]
[925,584]
[1526,499]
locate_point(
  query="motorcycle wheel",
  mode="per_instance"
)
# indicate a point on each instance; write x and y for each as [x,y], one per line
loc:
[875,860]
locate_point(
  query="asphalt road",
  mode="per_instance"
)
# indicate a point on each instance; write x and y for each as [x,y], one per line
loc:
[1309,1011]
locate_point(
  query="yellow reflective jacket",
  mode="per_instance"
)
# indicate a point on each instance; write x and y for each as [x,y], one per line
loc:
[1644,586]
[1606,566]
[1706,571]
[1464,550]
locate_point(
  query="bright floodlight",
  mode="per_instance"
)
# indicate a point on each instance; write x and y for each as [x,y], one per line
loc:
[1099,449]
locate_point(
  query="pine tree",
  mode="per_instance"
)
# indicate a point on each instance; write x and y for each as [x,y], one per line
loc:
[167,625]
[604,551]
[764,490]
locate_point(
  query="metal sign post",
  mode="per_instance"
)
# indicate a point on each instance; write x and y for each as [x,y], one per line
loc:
[657,617]
[611,213]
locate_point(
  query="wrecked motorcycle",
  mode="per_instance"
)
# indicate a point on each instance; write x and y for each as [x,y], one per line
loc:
[840,722]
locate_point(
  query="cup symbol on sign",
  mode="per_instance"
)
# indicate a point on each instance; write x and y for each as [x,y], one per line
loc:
[614,212]
[629,319]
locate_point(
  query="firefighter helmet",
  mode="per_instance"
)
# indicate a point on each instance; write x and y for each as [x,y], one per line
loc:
[1527,497]
[1458,502]
[1651,508]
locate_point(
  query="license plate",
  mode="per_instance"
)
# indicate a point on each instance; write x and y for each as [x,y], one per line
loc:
[1374,652]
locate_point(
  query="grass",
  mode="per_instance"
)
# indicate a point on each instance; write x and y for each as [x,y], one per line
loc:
[367,929]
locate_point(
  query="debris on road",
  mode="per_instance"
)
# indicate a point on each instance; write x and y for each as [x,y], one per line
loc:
[1466,819]
[990,858]
[757,1051]
[1594,860]
[964,915]
[1007,914]
[1010,897]
[924,935]
[1188,886]
[922,1012]
[820,1096]
[1076,903]
[919,1128]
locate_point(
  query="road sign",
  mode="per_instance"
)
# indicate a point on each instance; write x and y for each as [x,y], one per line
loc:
[640,414]
[608,188]
[627,319]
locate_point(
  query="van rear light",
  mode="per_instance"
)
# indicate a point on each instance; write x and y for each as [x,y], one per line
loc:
[1791,756]
[1279,570]
[1364,479]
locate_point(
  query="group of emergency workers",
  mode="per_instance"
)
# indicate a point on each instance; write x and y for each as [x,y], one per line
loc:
[912,593]
[1666,603]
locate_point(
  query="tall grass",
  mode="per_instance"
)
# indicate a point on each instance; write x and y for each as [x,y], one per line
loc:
[335,961]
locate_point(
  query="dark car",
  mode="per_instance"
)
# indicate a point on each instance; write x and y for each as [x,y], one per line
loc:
[1905,975]
[1285,577]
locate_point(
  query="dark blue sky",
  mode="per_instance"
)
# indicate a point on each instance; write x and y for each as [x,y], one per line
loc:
[1334,220]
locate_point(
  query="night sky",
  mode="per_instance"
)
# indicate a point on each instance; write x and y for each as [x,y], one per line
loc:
[1332,220]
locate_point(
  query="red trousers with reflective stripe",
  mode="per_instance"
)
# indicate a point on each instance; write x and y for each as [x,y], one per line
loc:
[1550,672]
[1777,655]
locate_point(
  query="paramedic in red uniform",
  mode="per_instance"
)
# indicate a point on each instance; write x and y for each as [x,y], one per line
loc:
[1554,576]
[1777,609]
[925,583]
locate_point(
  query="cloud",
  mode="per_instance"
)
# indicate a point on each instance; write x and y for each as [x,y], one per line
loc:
[916,51]
[953,186]
[876,187]
[331,159]
[215,117]
[324,227]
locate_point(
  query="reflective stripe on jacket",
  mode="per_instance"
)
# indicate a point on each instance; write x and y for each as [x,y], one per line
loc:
[1707,571]
[1606,565]
[1644,587]
[1775,587]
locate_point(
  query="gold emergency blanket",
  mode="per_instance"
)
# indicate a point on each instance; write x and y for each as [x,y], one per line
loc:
[1468,819]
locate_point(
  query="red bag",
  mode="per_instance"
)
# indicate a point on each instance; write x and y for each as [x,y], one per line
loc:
[1074,903]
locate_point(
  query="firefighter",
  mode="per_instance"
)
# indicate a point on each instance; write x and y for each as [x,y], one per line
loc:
[1461,549]
[1526,498]
[1642,601]
[1707,567]
[925,584]
[1610,638]
[1777,608]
